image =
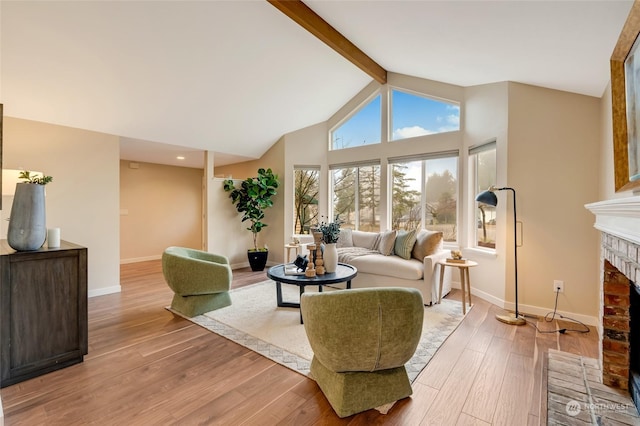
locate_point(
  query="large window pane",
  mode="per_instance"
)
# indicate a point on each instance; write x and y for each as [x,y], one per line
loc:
[356,197]
[484,164]
[343,182]
[363,128]
[414,115]
[305,200]
[437,192]
[406,212]
[369,198]
[442,196]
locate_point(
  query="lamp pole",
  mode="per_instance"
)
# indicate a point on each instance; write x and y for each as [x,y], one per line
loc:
[517,320]
[489,197]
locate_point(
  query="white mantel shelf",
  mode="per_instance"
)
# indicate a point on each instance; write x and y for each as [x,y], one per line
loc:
[619,217]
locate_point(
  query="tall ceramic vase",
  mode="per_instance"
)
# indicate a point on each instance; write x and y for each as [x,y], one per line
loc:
[330,256]
[27,223]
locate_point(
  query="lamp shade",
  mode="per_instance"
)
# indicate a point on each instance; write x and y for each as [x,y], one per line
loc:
[487,197]
[9,179]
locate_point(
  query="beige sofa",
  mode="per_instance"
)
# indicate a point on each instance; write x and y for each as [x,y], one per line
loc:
[395,259]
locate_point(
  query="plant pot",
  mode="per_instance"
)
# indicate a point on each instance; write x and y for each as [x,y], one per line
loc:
[27,225]
[257,259]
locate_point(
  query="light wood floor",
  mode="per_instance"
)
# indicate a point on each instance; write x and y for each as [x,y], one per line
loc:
[146,366]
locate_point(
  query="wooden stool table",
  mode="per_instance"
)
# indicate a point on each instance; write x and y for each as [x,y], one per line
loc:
[296,247]
[464,278]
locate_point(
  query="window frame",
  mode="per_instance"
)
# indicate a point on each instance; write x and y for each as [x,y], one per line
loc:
[473,152]
[424,158]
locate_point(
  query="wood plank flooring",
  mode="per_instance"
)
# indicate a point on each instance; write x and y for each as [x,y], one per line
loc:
[146,367]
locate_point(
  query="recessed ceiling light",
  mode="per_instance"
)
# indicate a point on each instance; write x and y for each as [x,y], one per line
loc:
[180,157]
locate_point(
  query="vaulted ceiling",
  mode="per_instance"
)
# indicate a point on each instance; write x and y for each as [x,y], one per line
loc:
[174,77]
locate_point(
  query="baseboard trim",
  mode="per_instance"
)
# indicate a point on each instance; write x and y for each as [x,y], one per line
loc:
[140,259]
[103,291]
[528,309]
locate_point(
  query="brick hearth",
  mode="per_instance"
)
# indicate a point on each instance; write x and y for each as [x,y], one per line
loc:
[621,266]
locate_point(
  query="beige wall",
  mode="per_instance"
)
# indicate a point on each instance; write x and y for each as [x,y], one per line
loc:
[82,200]
[553,151]
[160,206]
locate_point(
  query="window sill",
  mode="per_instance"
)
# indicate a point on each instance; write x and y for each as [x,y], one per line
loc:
[487,253]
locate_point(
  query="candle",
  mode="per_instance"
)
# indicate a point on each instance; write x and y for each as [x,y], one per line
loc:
[53,238]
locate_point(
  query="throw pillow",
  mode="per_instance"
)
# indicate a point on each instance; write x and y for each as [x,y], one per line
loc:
[345,239]
[427,243]
[404,243]
[386,242]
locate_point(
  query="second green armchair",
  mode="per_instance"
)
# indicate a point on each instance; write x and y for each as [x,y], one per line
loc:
[200,280]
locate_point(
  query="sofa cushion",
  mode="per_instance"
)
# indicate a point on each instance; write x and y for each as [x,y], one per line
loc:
[365,239]
[388,266]
[404,243]
[345,239]
[427,243]
[386,242]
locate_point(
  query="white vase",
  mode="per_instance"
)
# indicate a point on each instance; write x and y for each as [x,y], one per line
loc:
[330,256]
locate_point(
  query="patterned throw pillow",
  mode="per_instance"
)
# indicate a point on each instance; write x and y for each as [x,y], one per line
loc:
[427,243]
[386,242]
[404,243]
[345,239]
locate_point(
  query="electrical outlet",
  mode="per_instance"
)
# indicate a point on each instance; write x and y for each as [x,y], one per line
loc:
[558,286]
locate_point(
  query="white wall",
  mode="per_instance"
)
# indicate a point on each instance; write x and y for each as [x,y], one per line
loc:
[83,199]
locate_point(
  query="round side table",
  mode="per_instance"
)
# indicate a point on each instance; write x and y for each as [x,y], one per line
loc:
[288,247]
[464,279]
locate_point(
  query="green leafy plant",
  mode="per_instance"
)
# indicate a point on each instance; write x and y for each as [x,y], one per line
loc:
[39,180]
[252,198]
[330,231]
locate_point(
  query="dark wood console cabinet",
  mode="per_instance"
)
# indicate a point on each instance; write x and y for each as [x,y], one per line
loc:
[43,310]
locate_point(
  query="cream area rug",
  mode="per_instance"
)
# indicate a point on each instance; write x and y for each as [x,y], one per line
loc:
[255,321]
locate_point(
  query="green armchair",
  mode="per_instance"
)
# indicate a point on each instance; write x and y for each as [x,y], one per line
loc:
[200,280]
[361,340]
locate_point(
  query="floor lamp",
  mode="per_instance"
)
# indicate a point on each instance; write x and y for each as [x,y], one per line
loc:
[489,197]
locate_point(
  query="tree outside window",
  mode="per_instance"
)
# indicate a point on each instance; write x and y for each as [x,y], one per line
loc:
[356,197]
[305,200]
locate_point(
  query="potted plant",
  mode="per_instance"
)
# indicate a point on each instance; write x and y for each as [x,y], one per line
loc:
[251,199]
[27,222]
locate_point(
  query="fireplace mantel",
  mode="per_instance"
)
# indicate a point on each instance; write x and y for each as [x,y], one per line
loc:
[618,220]
[619,217]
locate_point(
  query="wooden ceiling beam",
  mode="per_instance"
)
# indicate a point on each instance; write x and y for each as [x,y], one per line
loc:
[312,22]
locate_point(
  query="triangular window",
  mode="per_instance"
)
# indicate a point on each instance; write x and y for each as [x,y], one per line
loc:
[362,128]
[414,115]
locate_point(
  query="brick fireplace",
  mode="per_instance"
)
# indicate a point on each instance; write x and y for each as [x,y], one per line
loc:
[619,223]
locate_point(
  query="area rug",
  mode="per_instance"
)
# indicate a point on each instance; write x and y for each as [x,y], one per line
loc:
[254,321]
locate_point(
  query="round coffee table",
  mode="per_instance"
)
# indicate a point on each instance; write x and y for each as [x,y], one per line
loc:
[343,273]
